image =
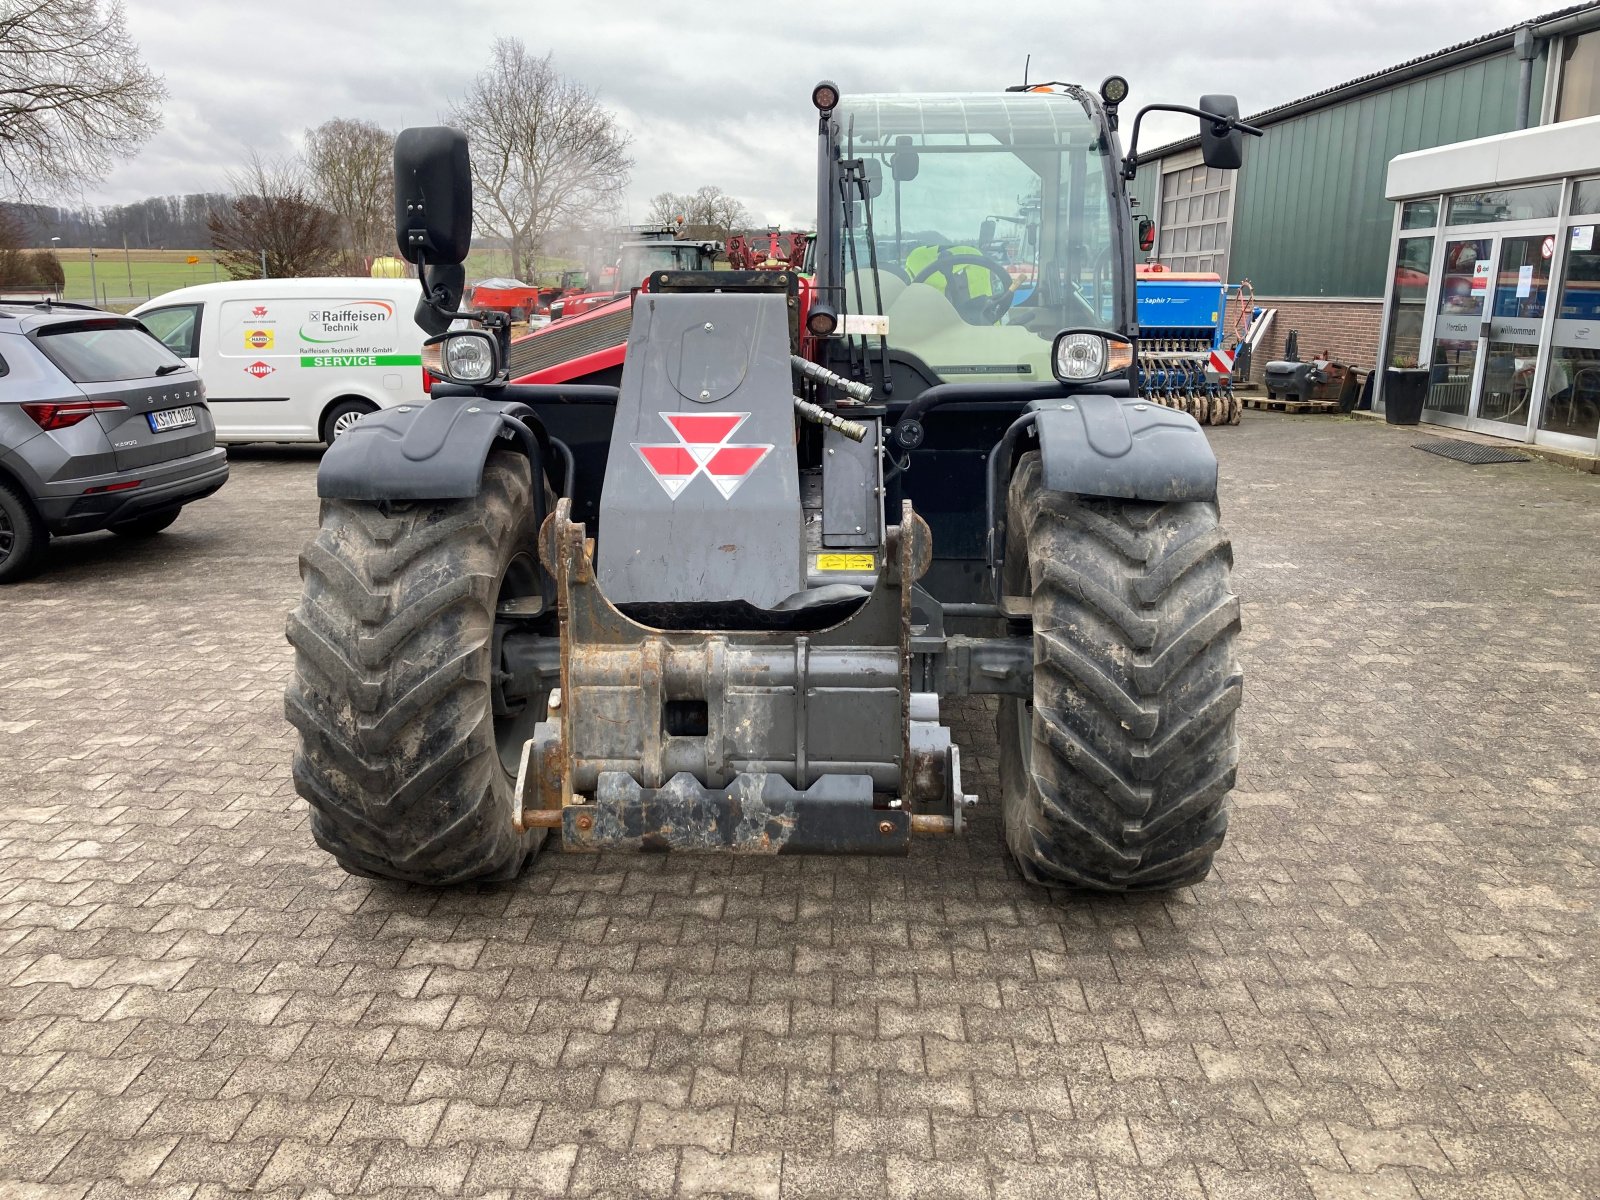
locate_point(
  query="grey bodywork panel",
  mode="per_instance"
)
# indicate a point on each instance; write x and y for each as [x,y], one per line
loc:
[852,491]
[701,502]
[1126,448]
[433,451]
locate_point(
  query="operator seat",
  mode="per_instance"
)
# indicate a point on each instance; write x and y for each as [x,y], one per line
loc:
[891,288]
[923,322]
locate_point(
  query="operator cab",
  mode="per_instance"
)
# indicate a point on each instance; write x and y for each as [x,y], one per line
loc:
[642,259]
[979,226]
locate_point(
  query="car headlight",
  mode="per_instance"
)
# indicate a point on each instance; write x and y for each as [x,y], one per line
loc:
[469,357]
[1080,356]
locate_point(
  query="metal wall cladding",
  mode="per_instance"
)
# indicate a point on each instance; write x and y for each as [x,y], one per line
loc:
[1310,217]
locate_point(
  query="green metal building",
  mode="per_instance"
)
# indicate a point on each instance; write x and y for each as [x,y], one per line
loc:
[1305,219]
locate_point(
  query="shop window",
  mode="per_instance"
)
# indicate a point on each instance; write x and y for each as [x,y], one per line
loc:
[1462,293]
[1586,196]
[1419,214]
[1505,204]
[1572,382]
[1579,94]
[1408,300]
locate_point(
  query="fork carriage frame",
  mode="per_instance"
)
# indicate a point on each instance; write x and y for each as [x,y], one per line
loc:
[790,743]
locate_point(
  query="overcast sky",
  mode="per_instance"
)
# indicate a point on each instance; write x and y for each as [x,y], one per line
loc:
[717,91]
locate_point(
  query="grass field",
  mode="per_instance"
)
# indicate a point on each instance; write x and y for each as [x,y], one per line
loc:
[123,280]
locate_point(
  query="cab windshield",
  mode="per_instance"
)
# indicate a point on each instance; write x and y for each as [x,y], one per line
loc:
[641,260]
[991,227]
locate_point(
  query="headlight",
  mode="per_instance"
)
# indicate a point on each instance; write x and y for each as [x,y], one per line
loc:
[1083,357]
[469,357]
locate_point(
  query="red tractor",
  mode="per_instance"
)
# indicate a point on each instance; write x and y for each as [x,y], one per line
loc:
[652,250]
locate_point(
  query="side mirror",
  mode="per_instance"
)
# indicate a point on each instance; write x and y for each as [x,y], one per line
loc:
[1224,151]
[432,195]
[904,162]
[986,234]
[1147,233]
[873,170]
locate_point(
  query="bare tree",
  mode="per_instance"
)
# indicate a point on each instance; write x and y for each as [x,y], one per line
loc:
[708,213]
[273,222]
[74,94]
[350,168]
[545,153]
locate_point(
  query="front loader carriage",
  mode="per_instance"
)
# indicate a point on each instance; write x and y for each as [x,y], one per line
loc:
[717,605]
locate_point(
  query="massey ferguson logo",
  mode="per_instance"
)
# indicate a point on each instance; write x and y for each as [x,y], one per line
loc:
[703,448]
[259,369]
[259,310]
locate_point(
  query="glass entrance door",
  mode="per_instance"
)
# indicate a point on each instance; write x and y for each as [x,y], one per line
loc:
[1458,321]
[1517,307]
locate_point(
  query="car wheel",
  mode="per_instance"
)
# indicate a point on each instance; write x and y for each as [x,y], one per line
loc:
[343,415]
[146,526]
[22,536]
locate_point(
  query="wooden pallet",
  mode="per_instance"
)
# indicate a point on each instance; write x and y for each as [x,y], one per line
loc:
[1291,406]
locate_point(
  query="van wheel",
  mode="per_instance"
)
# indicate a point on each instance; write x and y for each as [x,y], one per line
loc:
[343,415]
[22,536]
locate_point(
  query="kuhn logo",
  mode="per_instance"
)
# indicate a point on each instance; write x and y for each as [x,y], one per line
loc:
[703,448]
[259,369]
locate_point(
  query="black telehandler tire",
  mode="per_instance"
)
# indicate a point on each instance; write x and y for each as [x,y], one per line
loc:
[408,773]
[1116,776]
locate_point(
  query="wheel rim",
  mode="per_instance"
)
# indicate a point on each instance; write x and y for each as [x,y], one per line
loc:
[1025,733]
[8,535]
[521,580]
[344,420]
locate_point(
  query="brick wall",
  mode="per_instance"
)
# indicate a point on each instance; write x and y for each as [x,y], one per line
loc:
[1346,331]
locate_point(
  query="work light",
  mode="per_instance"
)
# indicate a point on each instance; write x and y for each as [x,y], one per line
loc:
[825,96]
[469,357]
[821,321]
[1082,356]
[1114,90]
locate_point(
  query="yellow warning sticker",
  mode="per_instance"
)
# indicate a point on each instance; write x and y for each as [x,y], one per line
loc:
[847,562]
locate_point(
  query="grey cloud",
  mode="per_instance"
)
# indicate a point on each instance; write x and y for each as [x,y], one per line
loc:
[716,91]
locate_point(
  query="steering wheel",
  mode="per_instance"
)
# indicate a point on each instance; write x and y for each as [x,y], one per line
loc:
[989,309]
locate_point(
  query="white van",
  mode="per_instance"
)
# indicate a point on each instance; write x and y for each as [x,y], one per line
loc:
[295,360]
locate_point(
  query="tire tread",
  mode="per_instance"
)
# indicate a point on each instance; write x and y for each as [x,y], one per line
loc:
[1136,686]
[390,694]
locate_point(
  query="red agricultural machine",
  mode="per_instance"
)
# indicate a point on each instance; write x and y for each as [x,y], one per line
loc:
[770,251]
[653,249]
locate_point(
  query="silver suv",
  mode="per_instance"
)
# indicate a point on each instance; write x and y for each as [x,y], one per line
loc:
[101,427]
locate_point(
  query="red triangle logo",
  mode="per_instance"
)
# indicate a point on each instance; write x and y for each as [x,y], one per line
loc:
[703,448]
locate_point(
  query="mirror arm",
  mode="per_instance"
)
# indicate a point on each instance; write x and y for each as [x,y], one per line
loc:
[498,322]
[1220,125]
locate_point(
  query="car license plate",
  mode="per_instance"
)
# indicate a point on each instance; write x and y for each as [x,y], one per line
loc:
[171,418]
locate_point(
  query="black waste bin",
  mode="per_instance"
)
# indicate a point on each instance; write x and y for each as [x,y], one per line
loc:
[1404,390]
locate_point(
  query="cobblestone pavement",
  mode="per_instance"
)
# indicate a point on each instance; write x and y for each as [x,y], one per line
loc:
[1387,989]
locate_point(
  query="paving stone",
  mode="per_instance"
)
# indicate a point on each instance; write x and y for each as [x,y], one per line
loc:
[1385,988]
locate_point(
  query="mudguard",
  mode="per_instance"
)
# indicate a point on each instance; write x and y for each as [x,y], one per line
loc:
[1125,448]
[432,451]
